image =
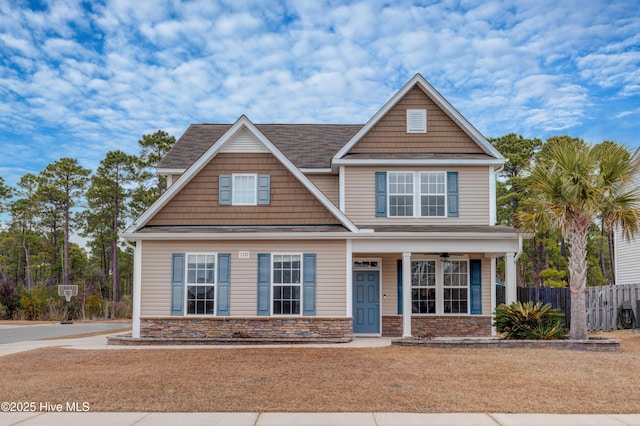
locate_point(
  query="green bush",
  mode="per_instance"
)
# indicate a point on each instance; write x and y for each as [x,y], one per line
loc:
[529,321]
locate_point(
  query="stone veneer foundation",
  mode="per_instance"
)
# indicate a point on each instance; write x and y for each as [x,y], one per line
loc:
[439,326]
[263,328]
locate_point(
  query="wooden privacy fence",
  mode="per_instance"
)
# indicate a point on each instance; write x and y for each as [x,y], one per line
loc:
[560,298]
[603,303]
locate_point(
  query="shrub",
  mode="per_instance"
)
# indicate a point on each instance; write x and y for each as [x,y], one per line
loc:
[530,321]
[95,306]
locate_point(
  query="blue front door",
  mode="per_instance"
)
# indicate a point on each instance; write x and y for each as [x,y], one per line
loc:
[366,302]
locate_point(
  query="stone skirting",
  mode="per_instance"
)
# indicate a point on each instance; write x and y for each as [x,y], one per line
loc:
[247,329]
[590,345]
[439,326]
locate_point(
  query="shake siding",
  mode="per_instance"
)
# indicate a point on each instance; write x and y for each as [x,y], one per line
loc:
[330,270]
[390,133]
[473,186]
[197,202]
[328,184]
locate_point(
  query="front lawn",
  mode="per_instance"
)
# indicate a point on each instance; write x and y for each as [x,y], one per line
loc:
[395,379]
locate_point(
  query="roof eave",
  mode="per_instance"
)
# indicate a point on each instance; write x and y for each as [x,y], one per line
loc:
[419,162]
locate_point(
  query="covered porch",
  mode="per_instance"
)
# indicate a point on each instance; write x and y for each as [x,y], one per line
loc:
[439,283]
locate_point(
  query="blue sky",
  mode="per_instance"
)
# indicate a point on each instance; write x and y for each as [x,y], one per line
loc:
[80,78]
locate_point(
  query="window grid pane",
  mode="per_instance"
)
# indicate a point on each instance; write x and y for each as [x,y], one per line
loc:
[400,194]
[432,194]
[201,284]
[456,292]
[423,287]
[286,270]
[200,299]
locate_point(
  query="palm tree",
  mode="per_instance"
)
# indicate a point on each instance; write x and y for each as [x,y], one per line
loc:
[577,186]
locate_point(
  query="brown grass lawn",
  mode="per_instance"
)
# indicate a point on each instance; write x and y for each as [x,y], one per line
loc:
[394,379]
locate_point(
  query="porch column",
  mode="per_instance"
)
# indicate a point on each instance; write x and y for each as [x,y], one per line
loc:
[349,278]
[493,295]
[137,289]
[510,278]
[406,294]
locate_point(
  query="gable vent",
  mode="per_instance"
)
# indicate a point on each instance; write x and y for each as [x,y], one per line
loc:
[416,121]
[244,142]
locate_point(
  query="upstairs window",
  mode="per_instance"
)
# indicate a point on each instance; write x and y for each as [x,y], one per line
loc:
[401,194]
[432,194]
[416,121]
[244,189]
[428,198]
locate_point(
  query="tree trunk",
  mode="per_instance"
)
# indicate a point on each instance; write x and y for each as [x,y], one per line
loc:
[603,266]
[115,279]
[577,237]
[65,254]
[612,242]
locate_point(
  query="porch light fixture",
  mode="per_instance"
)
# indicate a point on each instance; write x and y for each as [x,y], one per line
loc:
[444,256]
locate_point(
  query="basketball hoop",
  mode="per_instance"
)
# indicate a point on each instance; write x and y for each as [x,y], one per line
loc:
[68,291]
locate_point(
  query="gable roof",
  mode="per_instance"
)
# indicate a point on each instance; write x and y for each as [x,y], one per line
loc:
[242,123]
[307,146]
[444,105]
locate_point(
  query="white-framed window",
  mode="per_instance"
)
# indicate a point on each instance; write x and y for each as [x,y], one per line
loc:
[416,121]
[440,287]
[433,194]
[423,287]
[427,198]
[201,283]
[286,284]
[245,189]
[456,286]
[401,191]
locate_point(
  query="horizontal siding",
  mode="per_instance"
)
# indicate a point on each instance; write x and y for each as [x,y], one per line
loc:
[331,273]
[328,184]
[197,203]
[390,133]
[627,258]
[473,185]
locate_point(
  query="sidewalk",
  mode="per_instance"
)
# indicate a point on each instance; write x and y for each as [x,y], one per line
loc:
[315,419]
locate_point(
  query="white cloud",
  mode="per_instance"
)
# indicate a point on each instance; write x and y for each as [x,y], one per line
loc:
[99,76]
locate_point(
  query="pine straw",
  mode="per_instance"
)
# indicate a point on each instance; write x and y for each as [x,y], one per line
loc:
[390,379]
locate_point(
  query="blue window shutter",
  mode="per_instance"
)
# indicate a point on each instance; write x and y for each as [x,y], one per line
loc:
[264,283]
[225,184]
[452,194]
[309,284]
[381,194]
[224,281]
[264,189]
[399,286]
[476,287]
[177,284]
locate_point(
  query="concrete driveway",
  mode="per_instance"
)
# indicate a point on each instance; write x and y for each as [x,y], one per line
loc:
[21,332]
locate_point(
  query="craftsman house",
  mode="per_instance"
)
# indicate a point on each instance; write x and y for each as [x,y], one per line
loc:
[323,232]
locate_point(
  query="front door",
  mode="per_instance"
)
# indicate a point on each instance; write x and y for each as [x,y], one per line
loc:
[366,302]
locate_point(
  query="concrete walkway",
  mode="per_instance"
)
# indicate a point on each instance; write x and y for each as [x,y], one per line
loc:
[315,419]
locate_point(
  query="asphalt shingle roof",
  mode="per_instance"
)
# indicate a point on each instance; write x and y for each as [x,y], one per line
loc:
[305,145]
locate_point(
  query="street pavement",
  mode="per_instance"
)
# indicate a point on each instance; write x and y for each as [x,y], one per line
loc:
[12,333]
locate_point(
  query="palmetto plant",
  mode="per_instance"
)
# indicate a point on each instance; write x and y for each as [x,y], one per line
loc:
[530,321]
[576,186]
